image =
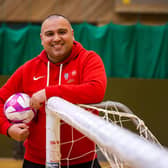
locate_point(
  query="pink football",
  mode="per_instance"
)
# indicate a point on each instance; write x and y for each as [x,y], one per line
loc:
[17,108]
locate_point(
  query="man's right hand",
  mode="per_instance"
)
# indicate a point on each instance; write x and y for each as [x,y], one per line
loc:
[18,132]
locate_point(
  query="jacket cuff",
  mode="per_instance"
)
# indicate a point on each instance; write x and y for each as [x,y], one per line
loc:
[4,128]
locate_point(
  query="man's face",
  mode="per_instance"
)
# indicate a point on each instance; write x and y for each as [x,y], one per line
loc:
[57,38]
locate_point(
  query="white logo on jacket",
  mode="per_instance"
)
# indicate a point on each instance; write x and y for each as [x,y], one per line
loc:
[37,78]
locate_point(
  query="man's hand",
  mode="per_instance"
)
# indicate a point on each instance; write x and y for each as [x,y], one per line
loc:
[38,99]
[18,132]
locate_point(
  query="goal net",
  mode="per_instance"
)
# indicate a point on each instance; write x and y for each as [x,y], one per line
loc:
[122,137]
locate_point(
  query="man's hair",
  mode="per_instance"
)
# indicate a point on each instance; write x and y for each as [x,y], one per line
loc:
[56,15]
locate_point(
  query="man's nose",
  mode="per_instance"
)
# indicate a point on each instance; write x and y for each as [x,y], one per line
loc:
[56,37]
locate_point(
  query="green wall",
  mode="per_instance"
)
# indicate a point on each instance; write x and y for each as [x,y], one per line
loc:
[145,97]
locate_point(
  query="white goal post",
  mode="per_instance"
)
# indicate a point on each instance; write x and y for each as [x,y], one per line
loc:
[53,154]
[111,138]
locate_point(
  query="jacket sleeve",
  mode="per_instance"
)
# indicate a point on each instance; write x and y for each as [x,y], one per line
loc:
[11,86]
[92,86]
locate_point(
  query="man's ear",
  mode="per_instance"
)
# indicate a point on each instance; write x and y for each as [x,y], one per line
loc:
[73,34]
[41,38]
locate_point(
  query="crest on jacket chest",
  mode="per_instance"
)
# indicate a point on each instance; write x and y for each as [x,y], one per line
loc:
[69,77]
[66,75]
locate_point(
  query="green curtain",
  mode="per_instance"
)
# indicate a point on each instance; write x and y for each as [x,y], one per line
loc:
[18,46]
[128,51]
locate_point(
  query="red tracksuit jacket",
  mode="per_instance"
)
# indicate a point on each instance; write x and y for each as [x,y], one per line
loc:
[79,79]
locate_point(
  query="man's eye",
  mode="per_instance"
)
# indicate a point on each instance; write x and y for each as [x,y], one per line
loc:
[62,32]
[49,34]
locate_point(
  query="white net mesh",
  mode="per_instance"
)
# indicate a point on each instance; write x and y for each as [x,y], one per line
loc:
[120,147]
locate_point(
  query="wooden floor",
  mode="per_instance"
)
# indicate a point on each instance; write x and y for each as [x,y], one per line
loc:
[12,163]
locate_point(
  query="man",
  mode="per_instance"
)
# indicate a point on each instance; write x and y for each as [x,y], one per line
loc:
[65,69]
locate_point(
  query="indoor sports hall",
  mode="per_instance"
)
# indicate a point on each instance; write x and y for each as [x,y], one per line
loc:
[131,37]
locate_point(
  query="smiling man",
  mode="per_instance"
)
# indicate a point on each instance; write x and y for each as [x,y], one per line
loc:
[65,69]
[57,38]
